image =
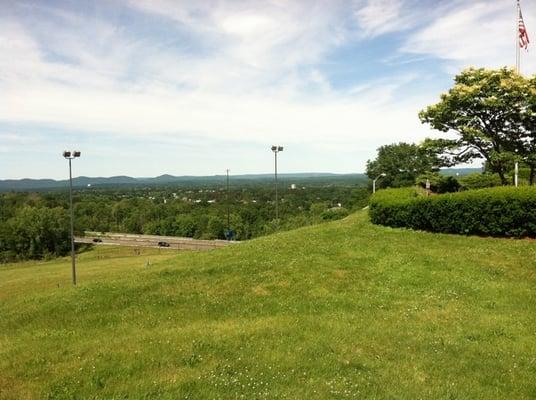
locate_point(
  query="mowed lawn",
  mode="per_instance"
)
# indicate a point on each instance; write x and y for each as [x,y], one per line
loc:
[344,310]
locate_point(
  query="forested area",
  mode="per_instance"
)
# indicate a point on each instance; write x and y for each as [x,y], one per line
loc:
[36,225]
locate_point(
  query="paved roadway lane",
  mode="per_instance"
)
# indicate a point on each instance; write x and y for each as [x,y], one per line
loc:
[163,242]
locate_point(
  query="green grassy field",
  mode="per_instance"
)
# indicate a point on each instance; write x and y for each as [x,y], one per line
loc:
[344,310]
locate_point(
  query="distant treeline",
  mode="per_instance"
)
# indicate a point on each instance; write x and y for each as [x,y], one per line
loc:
[36,225]
[127,182]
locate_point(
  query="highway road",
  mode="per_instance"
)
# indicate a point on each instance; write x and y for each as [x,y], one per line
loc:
[154,241]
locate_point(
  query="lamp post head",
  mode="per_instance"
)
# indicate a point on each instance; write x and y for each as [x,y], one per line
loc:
[277,149]
[71,154]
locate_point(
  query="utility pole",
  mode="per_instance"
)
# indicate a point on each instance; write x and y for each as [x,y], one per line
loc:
[517,43]
[228,206]
[522,38]
[276,149]
[70,155]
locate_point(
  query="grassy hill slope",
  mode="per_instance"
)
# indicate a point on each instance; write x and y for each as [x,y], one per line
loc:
[342,310]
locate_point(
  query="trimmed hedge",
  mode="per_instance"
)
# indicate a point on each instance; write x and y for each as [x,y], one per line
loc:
[499,211]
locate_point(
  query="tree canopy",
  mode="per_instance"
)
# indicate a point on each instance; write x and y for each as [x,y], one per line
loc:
[493,115]
[402,163]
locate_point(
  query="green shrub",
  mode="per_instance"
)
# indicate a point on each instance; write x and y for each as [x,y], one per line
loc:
[438,183]
[501,211]
[479,181]
[334,214]
[448,184]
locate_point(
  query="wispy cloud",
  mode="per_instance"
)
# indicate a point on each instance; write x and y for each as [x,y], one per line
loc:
[256,84]
[480,33]
[257,43]
[377,17]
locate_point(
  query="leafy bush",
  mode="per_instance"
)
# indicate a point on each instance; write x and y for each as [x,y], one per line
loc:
[448,184]
[334,214]
[501,211]
[439,183]
[479,181]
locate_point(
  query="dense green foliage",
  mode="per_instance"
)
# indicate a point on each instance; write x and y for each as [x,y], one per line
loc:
[493,114]
[438,183]
[34,225]
[33,233]
[501,211]
[479,181]
[402,163]
[345,310]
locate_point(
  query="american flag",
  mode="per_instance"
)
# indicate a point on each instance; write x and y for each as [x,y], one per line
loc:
[523,36]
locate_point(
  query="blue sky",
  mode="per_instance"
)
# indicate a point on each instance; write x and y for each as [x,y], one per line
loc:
[147,87]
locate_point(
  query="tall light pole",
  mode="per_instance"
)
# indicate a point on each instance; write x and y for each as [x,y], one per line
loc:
[276,149]
[374,181]
[228,208]
[70,155]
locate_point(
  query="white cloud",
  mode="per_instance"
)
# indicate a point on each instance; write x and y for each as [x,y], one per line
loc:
[380,17]
[252,88]
[477,33]
[244,72]
[377,17]
[210,115]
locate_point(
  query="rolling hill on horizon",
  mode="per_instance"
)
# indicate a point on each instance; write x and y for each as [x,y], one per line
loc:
[29,184]
[166,179]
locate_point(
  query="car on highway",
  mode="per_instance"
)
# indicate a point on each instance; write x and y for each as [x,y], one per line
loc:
[163,244]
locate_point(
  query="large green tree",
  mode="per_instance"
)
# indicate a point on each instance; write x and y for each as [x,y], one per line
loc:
[492,114]
[402,163]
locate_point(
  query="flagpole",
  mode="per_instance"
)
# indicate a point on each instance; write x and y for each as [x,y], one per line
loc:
[518,47]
